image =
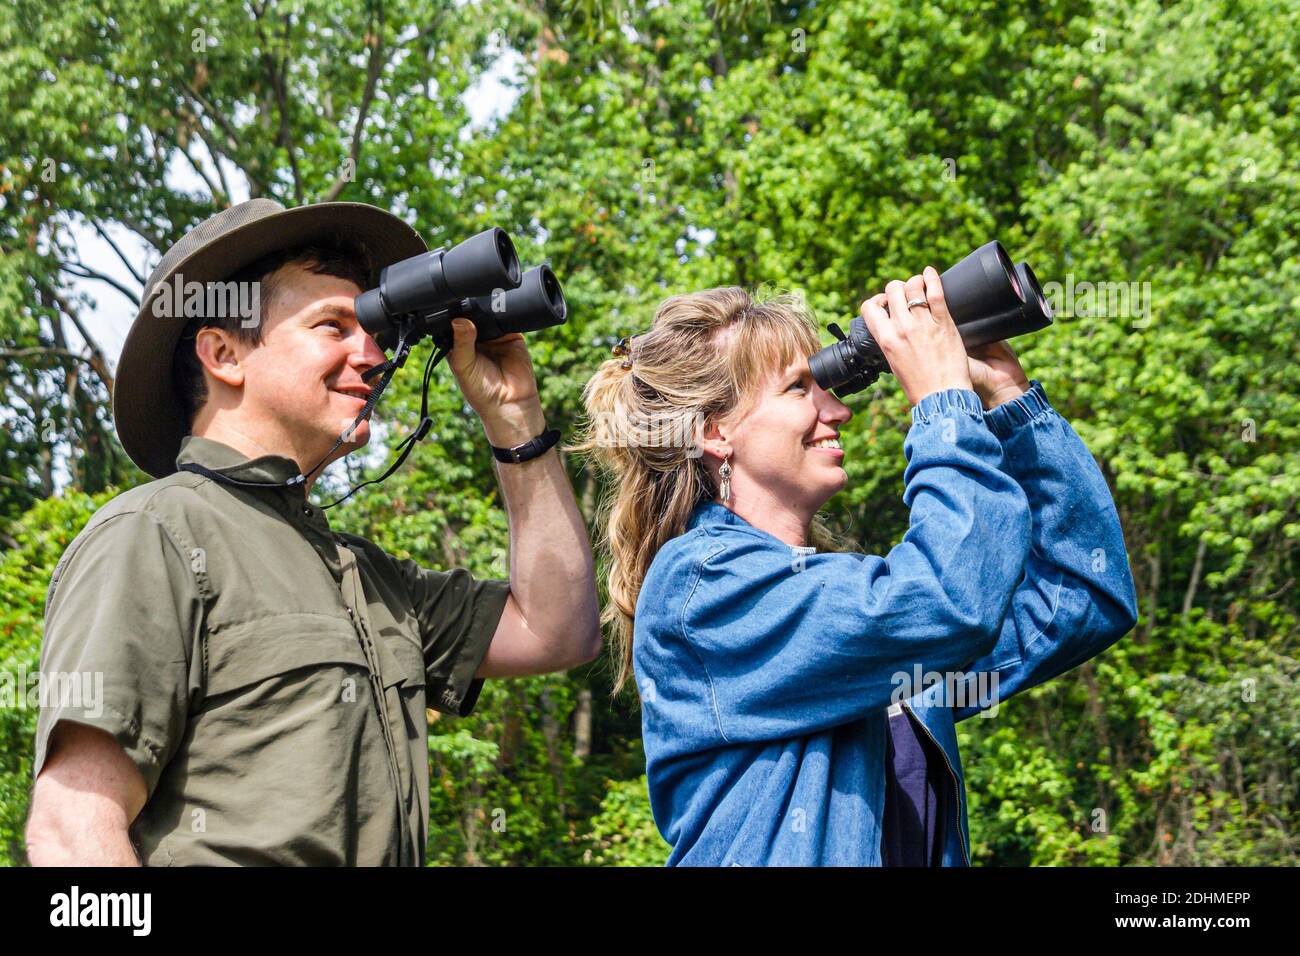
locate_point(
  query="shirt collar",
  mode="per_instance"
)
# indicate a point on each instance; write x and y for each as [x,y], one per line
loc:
[708,511]
[309,519]
[234,463]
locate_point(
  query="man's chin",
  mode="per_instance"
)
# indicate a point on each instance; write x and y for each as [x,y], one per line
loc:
[357,438]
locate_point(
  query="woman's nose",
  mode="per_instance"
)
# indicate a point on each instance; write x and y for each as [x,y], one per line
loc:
[830,408]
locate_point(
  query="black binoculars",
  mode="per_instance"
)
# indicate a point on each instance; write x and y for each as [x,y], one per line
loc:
[478,279]
[988,297]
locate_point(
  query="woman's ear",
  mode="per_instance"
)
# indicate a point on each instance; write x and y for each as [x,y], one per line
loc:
[713,438]
[217,353]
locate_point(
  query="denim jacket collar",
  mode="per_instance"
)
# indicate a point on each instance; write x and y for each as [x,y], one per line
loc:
[708,511]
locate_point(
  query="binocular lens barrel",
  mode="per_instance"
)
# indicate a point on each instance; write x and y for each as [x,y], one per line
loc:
[478,279]
[839,363]
[1030,282]
[989,297]
[538,303]
[984,283]
[483,263]
[370,312]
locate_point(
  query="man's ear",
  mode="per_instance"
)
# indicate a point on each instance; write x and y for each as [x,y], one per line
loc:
[216,352]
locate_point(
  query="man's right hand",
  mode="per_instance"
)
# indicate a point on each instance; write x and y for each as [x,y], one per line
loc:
[922,345]
[84,800]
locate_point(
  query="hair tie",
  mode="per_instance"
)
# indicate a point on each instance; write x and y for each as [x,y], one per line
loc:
[624,347]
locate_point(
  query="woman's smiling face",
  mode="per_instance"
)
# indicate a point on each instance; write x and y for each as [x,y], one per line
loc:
[785,449]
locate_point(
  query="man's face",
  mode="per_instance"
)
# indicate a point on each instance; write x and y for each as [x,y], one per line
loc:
[303,382]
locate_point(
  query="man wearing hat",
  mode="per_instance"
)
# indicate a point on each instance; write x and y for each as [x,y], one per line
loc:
[225,680]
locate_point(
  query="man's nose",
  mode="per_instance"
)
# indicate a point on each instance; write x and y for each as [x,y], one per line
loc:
[368,355]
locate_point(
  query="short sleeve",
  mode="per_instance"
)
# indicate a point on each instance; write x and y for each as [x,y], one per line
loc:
[458,615]
[122,616]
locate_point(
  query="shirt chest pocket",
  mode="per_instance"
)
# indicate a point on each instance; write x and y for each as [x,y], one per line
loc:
[285,646]
[401,657]
[380,612]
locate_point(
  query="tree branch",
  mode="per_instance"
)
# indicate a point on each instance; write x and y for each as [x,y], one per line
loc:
[97,360]
[46,350]
[276,78]
[216,164]
[1197,565]
[144,232]
[433,25]
[374,67]
[120,255]
[85,272]
[201,109]
[219,198]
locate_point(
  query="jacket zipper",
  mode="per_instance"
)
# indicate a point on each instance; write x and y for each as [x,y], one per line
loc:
[956,786]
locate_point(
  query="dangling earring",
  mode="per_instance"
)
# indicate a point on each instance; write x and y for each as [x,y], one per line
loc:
[725,474]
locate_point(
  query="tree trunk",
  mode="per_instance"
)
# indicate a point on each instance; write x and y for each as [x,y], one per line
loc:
[582,725]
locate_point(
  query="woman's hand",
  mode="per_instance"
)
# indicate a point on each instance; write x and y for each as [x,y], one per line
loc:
[922,345]
[995,374]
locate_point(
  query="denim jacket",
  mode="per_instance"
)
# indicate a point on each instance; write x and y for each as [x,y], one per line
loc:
[766,672]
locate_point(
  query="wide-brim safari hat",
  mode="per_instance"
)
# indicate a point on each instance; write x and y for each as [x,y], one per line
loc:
[148,413]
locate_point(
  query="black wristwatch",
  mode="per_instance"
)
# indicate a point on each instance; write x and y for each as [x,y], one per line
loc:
[529,449]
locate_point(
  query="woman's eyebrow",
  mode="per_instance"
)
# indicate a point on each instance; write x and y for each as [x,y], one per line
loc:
[790,376]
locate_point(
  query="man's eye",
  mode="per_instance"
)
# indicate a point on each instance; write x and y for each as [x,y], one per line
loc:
[332,322]
[796,384]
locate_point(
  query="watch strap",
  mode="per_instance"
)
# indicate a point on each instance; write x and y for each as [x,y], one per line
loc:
[529,449]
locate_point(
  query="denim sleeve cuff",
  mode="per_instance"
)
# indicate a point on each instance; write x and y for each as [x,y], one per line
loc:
[1007,417]
[941,403]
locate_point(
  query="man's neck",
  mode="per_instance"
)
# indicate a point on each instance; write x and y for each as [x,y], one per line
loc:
[251,445]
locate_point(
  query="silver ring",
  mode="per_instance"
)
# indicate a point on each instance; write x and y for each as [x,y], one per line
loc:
[912,302]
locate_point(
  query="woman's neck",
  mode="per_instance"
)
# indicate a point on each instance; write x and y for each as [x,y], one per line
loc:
[776,518]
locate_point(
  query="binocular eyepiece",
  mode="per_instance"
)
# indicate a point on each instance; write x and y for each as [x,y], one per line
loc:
[478,279]
[989,299]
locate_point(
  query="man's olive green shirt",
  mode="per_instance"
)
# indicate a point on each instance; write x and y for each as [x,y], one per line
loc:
[269,677]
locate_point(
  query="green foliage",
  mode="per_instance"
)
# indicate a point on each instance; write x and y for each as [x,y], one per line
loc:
[624,832]
[827,148]
[502,779]
[39,539]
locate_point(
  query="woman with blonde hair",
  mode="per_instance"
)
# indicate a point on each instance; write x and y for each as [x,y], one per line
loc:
[799,700]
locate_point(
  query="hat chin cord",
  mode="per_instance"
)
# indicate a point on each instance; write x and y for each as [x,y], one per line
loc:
[401,351]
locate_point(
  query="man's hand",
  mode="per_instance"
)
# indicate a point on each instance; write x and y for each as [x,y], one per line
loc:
[497,380]
[995,374]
